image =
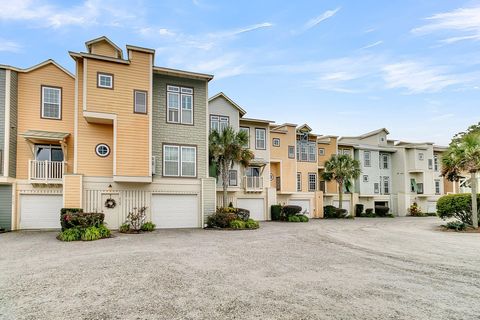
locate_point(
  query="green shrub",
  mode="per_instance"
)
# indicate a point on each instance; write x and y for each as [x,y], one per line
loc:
[90,234]
[359,209]
[414,210]
[276,212]
[104,231]
[81,219]
[65,224]
[72,234]
[251,224]
[148,226]
[341,213]
[329,212]
[369,212]
[303,218]
[456,225]
[458,206]
[381,211]
[242,214]
[124,228]
[220,219]
[293,219]
[237,224]
[291,210]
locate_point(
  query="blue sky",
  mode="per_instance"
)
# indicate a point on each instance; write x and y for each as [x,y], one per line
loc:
[344,67]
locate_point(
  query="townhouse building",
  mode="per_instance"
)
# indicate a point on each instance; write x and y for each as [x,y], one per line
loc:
[294,168]
[248,187]
[119,131]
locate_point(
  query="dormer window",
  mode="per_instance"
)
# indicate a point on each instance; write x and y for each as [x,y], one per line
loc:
[105,80]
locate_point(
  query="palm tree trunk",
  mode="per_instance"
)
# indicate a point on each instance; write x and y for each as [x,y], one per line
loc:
[473,182]
[225,183]
[340,195]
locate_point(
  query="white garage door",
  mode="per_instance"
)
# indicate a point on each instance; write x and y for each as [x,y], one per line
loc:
[255,206]
[304,203]
[175,211]
[345,204]
[40,211]
[432,207]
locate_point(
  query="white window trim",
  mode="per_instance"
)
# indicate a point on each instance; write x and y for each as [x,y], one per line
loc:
[276,142]
[365,178]
[291,155]
[102,145]
[309,182]
[321,151]
[299,181]
[59,102]
[365,153]
[180,92]
[230,172]
[247,129]
[437,183]
[180,148]
[264,139]
[135,101]
[100,75]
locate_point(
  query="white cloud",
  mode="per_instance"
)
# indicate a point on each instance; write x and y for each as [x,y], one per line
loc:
[418,78]
[463,21]
[315,21]
[9,46]
[89,12]
[371,45]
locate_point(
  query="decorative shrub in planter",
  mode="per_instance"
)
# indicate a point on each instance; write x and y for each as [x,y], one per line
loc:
[231,218]
[291,210]
[414,210]
[237,224]
[458,206]
[455,225]
[78,225]
[136,222]
[381,211]
[276,212]
[148,226]
[359,209]
[251,224]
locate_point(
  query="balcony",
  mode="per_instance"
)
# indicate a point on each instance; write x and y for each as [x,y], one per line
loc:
[253,184]
[46,171]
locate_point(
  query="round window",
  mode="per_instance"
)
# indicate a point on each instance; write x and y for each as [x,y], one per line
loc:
[102,150]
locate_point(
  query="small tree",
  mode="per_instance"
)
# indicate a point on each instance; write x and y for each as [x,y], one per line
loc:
[342,169]
[225,149]
[463,155]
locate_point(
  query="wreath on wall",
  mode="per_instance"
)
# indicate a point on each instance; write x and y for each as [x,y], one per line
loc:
[110,203]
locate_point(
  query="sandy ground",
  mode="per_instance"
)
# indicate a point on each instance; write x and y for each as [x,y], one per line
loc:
[402,268]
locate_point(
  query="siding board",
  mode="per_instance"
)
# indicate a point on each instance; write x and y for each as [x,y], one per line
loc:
[6,206]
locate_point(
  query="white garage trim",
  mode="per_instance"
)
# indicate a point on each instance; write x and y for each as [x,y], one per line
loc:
[175,210]
[40,211]
[256,206]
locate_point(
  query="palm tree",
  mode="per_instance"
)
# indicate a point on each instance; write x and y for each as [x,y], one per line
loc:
[225,149]
[463,155]
[341,168]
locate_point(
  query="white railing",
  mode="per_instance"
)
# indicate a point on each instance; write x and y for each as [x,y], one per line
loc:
[46,171]
[253,184]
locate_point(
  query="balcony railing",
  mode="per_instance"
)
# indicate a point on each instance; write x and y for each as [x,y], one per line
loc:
[253,184]
[46,171]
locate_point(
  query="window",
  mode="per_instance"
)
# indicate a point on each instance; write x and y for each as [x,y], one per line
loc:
[48,153]
[413,185]
[384,161]
[365,178]
[218,123]
[105,80]
[51,103]
[437,187]
[140,102]
[312,182]
[347,152]
[260,136]
[291,152]
[299,181]
[102,150]
[386,185]
[435,162]
[312,155]
[321,151]
[306,151]
[179,105]
[247,131]
[366,159]
[232,178]
[179,161]
[430,164]
[376,188]
[276,142]
[421,156]
[420,188]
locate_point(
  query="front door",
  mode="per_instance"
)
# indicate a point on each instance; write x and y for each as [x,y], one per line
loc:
[112,215]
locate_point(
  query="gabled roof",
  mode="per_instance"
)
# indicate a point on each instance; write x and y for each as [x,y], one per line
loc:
[88,44]
[368,134]
[223,95]
[45,135]
[281,128]
[304,128]
[37,66]
[182,73]
[256,120]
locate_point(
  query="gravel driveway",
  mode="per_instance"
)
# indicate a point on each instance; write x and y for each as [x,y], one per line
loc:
[400,268]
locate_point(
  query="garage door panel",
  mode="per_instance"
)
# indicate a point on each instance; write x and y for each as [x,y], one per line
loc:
[175,211]
[40,211]
[255,206]
[304,203]
[345,204]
